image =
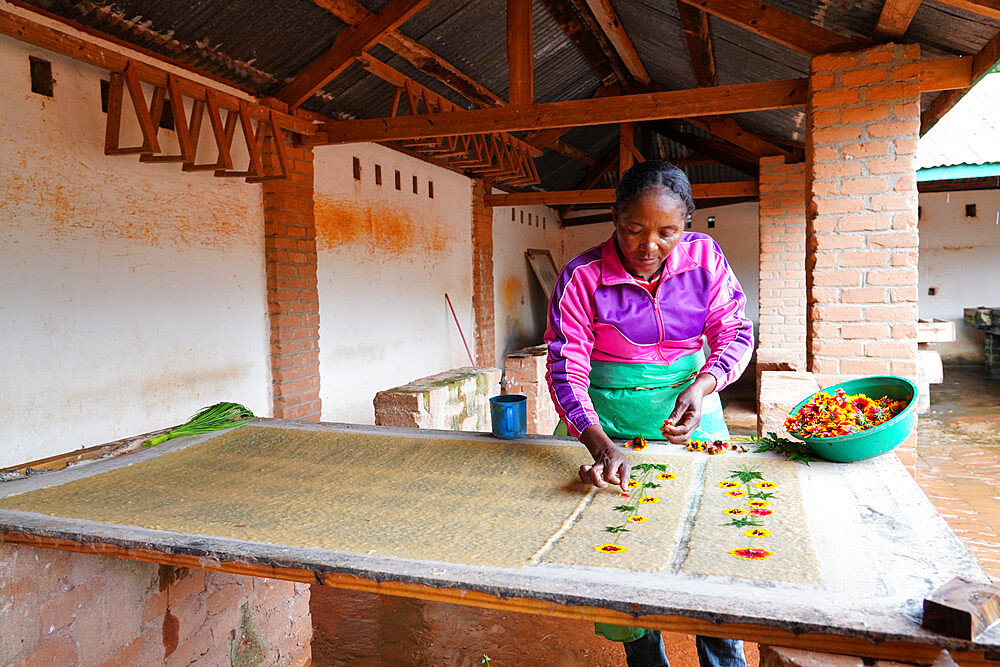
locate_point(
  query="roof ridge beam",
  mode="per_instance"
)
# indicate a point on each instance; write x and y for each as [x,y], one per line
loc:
[613,29]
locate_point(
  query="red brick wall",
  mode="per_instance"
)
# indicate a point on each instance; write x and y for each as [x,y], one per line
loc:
[292,293]
[782,335]
[482,276]
[863,120]
[59,608]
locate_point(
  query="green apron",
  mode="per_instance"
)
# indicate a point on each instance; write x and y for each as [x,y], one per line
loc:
[634,399]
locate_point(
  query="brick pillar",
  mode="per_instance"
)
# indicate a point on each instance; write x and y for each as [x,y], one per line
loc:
[782,336]
[482,275]
[292,294]
[863,120]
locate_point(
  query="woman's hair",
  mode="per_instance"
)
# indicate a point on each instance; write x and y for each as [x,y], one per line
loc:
[651,174]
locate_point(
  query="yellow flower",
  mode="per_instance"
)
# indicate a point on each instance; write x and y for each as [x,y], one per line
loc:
[766,485]
[610,548]
[757,504]
[757,532]
[736,493]
[735,511]
[636,519]
[632,484]
[728,484]
[666,475]
[649,500]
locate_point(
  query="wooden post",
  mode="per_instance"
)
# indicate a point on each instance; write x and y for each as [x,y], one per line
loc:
[626,146]
[520,61]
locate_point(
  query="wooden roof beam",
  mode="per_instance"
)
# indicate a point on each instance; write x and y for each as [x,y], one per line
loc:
[353,12]
[608,21]
[599,54]
[727,154]
[988,8]
[726,127]
[104,54]
[350,42]
[979,66]
[780,26]
[520,59]
[607,195]
[694,23]
[571,113]
[895,18]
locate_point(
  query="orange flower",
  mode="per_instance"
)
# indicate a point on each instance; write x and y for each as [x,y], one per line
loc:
[750,554]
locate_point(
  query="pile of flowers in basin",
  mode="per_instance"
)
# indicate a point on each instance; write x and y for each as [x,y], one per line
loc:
[828,415]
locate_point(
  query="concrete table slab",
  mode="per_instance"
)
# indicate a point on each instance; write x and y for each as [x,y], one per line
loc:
[881,544]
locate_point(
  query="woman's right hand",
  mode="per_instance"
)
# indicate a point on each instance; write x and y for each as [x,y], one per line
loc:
[610,465]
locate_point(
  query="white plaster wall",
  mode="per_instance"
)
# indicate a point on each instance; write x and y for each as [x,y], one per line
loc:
[386,259]
[519,302]
[736,231]
[131,295]
[960,257]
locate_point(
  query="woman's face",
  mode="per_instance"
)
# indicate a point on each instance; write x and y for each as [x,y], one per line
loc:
[649,228]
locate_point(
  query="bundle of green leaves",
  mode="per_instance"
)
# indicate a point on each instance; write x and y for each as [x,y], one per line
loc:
[213,418]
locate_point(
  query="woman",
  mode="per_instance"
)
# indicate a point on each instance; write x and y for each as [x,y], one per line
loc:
[625,329]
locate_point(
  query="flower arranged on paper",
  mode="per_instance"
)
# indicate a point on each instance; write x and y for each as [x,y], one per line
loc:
[750,553]
[828,415]
[638,487]
[748,481]
[713,446]
[638,443]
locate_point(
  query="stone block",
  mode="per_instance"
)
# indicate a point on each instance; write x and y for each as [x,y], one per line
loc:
[935,331]
[778,656]
[777,393]
[929,367]
[456,400]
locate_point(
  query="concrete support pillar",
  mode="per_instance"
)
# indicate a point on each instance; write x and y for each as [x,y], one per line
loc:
[863,121]
[292,293]
[482,275]
[782,336]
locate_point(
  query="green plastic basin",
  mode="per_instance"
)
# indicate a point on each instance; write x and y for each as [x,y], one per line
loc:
[874,441]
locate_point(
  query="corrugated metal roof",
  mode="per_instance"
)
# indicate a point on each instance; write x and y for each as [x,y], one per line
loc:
[262,44]
[969,133]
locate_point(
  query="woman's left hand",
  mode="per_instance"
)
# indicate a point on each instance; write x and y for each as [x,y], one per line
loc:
[687,410]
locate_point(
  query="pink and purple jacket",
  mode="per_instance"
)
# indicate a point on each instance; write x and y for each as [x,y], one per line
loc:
[599,311]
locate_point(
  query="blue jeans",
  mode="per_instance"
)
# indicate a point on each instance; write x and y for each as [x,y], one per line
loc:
[712,652]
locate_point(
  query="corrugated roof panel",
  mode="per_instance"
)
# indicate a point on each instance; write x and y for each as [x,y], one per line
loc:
[655,30]
[949,29]
[743,57]
[848,17]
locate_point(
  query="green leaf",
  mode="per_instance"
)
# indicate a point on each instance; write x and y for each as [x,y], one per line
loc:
[616,529]
[650,485]
[743,522]
[625,508]
[763,495]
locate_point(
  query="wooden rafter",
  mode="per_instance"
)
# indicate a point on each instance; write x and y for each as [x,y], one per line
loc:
[694,23]
[600,111]
[353,12]
[572,152]
[727,154]
[596,173]
[895,18]
[520,59]
[350,43]
[607,195]
[115,60]
[727,128]
[609,22]
[598,54]
[628,154]
[980,64]
[987,8]
[780,26]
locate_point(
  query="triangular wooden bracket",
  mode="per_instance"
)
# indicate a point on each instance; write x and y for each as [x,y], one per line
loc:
[116,97]
[181,127]
[277,138]
[223,135]
[253,139]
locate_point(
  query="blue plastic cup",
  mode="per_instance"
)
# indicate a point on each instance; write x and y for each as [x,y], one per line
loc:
[509,415]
